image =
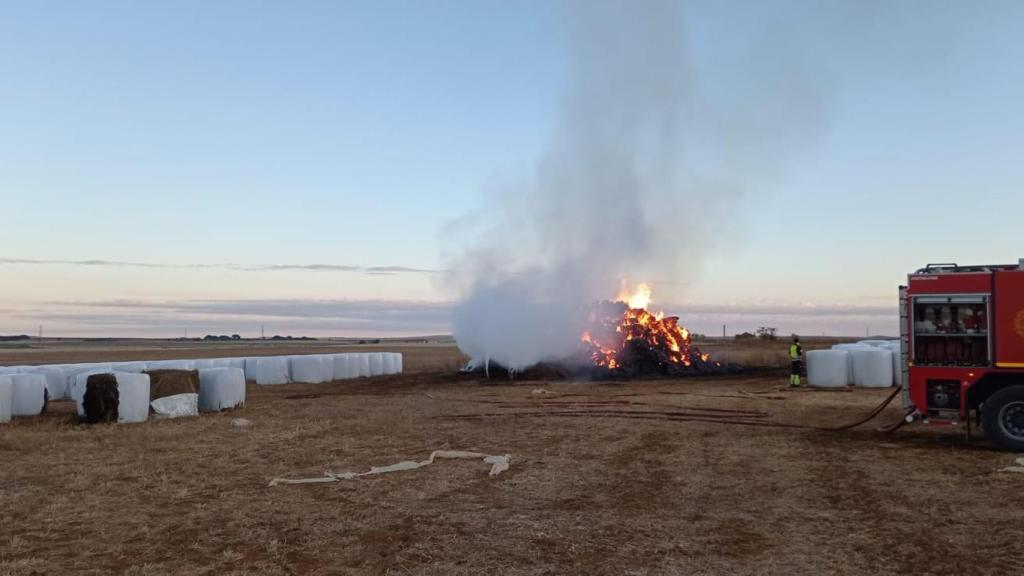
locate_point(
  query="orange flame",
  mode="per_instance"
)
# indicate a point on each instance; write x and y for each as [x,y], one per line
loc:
[627,320]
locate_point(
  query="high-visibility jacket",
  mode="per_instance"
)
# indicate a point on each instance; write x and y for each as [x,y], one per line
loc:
[795,352]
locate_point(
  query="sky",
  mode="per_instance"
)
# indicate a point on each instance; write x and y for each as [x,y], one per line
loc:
[218,167]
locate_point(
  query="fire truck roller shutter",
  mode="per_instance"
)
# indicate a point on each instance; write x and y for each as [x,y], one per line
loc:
[1009,319]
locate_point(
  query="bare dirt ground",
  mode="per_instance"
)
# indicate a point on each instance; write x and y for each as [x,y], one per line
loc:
[591,492]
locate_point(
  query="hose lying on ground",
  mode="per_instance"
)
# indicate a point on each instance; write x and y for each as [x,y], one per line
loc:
[737,417]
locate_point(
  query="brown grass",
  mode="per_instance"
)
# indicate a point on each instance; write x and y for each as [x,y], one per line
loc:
[585,495]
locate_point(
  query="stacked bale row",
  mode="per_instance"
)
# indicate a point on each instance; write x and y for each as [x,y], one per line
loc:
[124,388]
[869,363]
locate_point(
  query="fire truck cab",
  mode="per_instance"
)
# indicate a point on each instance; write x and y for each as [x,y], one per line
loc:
[962,340]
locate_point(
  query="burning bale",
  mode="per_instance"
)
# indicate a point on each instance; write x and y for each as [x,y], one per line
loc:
[623,339]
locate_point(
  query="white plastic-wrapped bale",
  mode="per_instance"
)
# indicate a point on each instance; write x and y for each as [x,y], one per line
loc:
[353,366]
[872,367]
[876,343]
[340,363]
[327,366]
[56,383]
[272,370]
[71,372]
[6,399]
[399,363]
[306,368]
[207,363]
[389,363]
[136,367]
[376,364]
[171,365]
[132,397]
[114,396]
[364,364]
[79,386]
[250,368]
[828,368]
[897,364]
[849,358]
[234,363]
[221,389]
[29,394]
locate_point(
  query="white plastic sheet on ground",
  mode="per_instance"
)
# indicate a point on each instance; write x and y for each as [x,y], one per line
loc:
[306,368]
[221,389]
[272,370]
[828,368]
[6,399]
[29,394]
[498,465]
[177,405]
[872,367]
[56,382]
[132,397]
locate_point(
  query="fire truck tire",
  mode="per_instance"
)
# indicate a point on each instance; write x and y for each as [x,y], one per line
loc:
[1002,416]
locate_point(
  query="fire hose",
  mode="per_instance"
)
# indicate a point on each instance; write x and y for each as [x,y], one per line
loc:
[735,417]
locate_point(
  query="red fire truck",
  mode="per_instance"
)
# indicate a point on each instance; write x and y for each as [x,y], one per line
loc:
[962,334]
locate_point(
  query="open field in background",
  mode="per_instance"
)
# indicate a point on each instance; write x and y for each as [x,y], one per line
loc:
[420,354]
[593,492]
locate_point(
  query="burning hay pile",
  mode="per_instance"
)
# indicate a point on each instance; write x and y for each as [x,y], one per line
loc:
[623,339]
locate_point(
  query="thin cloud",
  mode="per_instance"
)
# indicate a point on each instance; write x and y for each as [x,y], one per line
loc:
[224,266]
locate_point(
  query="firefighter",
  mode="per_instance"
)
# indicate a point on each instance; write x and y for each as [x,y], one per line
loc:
[796,358]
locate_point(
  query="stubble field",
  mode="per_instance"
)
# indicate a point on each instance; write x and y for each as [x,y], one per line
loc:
[715,475]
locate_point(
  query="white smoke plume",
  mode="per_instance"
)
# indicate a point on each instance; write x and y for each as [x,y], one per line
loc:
[639,179]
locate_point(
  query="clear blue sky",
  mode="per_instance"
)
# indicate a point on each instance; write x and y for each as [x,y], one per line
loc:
[257,134]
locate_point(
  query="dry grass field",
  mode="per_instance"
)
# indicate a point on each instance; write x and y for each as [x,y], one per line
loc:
[644,477]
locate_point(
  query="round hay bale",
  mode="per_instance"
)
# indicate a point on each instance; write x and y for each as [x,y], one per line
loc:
[828,368]
[29,394]
[221,389]
[272,370]
[6,399]
[376,363]
[872,367]
[307,368]
[56,381]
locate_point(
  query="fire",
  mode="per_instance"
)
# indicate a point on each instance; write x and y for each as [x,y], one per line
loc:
[639,298]
[625,334]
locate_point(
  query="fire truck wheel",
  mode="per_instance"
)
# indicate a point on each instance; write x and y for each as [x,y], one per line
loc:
[1003,418]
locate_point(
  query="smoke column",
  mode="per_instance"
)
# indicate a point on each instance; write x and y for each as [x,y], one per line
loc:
[637,182]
